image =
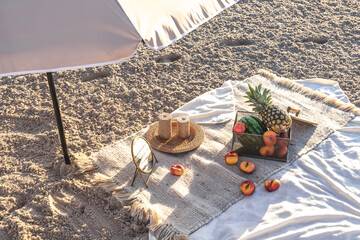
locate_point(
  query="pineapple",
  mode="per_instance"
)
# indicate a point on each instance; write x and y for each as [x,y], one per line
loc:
[273,117]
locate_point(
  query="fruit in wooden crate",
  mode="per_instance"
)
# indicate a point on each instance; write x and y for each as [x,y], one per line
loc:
[239,127]
[267,151]
[272,184]
[275,119]
[247,166]
[231,158]
[281,151]
[177,169]
[253,125]
[269,138]
[283,139]
[247,187]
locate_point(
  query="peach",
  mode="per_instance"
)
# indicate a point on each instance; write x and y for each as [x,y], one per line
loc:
[247,187]
[239,127]
[283,139]
[267,151]
[272,184]
[177,170]
[269,137]
[247,166]
[232,158]
[281,151]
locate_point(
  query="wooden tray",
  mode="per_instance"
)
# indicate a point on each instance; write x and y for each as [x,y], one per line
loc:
[294,114]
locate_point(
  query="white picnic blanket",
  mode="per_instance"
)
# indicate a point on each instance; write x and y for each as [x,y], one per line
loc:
[319,193]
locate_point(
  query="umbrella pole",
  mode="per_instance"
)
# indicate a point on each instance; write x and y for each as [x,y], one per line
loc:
[58,117]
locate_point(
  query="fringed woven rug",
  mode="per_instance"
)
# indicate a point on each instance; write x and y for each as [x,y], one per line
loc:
[177,206]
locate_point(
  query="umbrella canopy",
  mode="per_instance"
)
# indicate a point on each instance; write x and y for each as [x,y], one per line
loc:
[43,35]
[160,22]
[50,35]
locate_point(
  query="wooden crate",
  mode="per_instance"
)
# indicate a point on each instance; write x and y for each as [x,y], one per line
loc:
[240,142]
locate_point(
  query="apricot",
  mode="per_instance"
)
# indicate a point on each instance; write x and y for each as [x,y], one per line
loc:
[267,151]
[270,137]
[281,151]
[272,184]
[177,170]
[283,140]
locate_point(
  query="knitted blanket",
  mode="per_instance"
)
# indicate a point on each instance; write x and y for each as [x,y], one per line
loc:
[177,206]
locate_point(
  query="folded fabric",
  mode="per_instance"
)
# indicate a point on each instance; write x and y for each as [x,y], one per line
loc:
[318,197]
[214,107]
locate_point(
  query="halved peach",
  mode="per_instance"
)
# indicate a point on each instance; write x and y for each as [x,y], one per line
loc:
[232,158]
[247,166]
[247,187]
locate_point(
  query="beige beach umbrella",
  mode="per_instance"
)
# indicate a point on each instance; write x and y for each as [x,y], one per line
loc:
[43,36]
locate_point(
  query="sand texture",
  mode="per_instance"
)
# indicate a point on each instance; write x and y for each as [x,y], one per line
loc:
[293,39]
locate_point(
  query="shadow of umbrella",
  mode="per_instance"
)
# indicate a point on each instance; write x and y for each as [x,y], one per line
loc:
[47,36]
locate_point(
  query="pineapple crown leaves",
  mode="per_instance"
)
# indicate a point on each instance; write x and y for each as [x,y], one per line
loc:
[257,99]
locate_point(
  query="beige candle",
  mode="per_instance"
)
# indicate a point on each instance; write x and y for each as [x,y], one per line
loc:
[183,126]
[165,126]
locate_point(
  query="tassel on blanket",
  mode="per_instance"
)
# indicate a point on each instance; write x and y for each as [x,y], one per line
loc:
[141,211]
[148,212]
[81,164]
[169,233]
[331,101]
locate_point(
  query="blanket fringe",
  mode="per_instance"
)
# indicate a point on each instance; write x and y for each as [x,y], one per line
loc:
[81,164]
[331,101]
[167,232]
[138,209]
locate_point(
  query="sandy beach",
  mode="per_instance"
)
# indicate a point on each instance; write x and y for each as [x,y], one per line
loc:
[294,39]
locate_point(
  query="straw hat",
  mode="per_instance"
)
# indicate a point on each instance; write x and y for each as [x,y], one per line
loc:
[175,144]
